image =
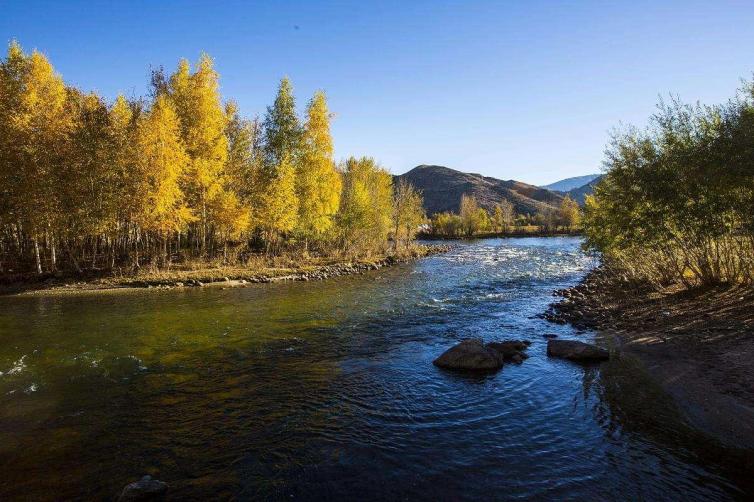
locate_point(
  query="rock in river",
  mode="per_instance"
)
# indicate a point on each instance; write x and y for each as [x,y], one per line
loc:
[471,355]
[576,351]
[144,489]
[511,350]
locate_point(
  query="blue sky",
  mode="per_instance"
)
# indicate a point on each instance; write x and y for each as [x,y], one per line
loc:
[515,90]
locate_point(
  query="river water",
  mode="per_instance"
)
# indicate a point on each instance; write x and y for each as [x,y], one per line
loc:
[325,390]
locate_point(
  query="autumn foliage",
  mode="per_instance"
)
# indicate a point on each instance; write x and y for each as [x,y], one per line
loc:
[90,185]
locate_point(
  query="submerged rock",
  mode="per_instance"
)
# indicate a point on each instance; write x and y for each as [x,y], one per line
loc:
[470,355]
[144,489]
[511,350]
[576,351]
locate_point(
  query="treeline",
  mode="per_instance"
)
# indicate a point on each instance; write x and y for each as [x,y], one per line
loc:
[677,202]
[180,174]
[473,219]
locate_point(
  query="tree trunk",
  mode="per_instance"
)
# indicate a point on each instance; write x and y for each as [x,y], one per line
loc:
[36,256]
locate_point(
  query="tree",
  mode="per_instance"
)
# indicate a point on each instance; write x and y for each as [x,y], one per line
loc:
[202,118]
[162,161]
[503,216]
[282,131]
[470,215]
[243,166]
[364,217]
[569,212]
[446,224]
[278,210]
[546,218]
[40,125]
[318,184]
[408,213]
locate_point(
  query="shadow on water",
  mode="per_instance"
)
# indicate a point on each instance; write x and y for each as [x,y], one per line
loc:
[327,391]
[632,404]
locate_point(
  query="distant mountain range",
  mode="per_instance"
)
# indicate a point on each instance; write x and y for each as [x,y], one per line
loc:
[571,183]
[579,194]
[442,188]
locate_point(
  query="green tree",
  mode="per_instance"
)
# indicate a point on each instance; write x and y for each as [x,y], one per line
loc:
[282,130]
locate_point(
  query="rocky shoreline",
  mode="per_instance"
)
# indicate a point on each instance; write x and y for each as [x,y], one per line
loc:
[236,277]
[698,345]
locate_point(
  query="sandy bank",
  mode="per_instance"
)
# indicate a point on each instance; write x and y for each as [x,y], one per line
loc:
[212,277]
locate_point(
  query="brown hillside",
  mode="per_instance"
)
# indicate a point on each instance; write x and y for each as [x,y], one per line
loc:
[442,188]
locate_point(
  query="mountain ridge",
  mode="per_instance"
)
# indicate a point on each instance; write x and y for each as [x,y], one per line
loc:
[442,188]
[572,183]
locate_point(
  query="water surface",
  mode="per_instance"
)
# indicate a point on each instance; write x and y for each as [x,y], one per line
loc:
[326,391]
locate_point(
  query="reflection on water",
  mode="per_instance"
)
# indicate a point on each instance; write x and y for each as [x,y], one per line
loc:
[326,390]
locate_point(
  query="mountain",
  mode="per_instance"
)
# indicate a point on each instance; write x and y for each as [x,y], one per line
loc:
[578,194]
[569,184]
[442,188]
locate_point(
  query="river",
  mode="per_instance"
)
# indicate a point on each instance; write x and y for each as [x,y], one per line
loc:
[326,390]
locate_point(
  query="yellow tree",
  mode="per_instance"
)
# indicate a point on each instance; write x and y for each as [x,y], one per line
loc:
[162,161]
[569,212]
[202,118]
[277,213]
[230,217]
[121,132]
[470,215]
[503,216]
[12,71]
[318,184]
[366,206]
[408,213]
[39,126]
[88,198]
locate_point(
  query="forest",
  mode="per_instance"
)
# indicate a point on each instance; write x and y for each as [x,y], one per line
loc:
[676,204]
[179,175]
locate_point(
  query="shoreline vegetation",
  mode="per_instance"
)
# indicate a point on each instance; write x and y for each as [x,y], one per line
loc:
[179,179]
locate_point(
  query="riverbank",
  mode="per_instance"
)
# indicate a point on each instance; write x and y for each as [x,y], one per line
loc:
[222,276]
[699,345]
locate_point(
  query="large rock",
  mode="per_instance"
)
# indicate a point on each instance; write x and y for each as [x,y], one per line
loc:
[471,355]
[576,351]
[511,350]
[144,489]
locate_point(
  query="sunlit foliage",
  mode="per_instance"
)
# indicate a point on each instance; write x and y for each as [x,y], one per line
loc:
[677,199]
[91,185]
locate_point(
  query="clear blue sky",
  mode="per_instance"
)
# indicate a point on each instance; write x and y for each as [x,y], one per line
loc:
[515,90]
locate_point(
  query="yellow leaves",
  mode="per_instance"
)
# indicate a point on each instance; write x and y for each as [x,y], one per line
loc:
[202,118]
[278,207]
[367,205]
[162,161]
[72,167]
[318,183]
[569,212]
[229,216]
